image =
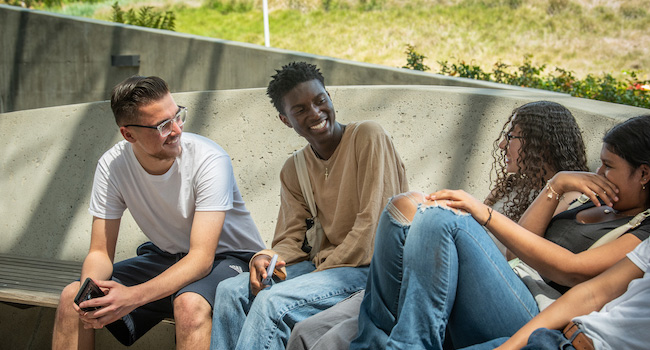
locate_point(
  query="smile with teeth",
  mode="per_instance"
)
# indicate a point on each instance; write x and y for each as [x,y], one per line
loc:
[172,141]
[319,125]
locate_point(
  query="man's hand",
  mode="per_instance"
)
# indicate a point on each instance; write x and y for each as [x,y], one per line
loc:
[258,271]
[119,301]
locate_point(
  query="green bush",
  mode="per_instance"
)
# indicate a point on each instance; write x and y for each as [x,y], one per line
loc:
[414,60]
[630,91]
[144,17]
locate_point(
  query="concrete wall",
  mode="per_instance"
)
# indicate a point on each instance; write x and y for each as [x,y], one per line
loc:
[51,60]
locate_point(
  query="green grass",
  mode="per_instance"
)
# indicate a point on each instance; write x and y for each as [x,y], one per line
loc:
[582,36]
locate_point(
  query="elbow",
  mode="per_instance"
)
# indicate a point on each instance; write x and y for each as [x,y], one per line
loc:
[572,279]
[206,268]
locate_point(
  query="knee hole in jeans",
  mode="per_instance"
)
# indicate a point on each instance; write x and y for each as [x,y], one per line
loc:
[403,206]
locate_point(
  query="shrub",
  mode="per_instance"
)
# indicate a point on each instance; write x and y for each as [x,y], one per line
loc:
[414,60]
[631,91]
[144,17]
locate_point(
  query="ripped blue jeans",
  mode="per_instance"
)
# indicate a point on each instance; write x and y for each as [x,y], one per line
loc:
[441,272]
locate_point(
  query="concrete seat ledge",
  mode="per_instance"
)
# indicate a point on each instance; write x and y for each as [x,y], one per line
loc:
[444,134]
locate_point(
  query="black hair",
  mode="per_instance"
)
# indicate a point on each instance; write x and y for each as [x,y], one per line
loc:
[288,77]
[630,140]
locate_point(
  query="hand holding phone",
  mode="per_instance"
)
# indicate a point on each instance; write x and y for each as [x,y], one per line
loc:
[89,290]
[269,270]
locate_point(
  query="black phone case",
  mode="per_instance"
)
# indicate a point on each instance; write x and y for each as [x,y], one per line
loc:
[88,290]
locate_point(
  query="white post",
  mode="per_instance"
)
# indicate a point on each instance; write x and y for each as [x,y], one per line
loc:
[267,41]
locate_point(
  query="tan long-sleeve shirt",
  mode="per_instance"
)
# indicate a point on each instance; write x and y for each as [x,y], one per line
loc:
[350,189]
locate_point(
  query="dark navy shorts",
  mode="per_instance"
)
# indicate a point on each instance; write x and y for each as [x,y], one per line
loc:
[150,262]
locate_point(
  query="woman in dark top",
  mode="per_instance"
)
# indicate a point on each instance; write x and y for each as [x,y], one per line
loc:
[436,272]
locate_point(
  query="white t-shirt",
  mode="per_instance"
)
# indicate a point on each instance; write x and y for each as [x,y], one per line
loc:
[624,323]
[201,179]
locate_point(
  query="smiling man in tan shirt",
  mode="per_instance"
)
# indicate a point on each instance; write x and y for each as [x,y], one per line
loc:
[353,169]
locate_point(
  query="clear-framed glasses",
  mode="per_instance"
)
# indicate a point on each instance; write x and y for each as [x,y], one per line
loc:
[165,127]
[509,136]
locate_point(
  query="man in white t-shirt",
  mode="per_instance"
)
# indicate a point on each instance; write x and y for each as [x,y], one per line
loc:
[182,193]
[610,311]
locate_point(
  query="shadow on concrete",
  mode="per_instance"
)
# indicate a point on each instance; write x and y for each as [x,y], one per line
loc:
[68,184]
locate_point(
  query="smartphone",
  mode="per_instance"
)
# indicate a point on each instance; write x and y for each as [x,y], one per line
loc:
[269,270]
[88,290]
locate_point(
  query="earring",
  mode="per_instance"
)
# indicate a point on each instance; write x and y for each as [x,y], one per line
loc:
[643,185]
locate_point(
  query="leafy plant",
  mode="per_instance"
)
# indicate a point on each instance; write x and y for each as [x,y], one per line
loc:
[144,17]
[630,91]
[414,60]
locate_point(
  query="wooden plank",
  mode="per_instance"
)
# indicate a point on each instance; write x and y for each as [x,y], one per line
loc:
[37,281]
[29,297]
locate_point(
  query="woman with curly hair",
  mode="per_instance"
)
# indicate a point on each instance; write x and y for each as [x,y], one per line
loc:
[538,139]
[436,276]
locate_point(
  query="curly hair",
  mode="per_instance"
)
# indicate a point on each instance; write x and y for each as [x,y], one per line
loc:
[551,141]
[288,77]
[132,93]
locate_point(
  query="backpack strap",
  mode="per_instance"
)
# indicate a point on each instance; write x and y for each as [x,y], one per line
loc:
[303,178]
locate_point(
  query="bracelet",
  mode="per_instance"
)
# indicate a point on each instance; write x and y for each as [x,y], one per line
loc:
[490,210]
[551,191]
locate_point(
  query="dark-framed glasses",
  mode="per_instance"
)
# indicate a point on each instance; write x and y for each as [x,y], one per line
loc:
[510,136]
[165,127]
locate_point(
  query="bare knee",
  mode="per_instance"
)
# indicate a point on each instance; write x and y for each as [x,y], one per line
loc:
[406,204]
[191,311]
[65,308]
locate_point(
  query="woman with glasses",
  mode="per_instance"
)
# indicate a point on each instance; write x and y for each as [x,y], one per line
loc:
[436,274]
[538,139]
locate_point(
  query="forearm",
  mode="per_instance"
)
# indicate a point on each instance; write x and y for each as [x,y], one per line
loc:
[97,265]
[581,300]
[548,258]
[578,301]
[538,215]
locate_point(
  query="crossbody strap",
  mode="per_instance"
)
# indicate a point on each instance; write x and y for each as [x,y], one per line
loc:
[614,233]
[303,179]
[619,231]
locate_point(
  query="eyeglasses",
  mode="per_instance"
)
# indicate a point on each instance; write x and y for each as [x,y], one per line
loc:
[510,136]
[165,127]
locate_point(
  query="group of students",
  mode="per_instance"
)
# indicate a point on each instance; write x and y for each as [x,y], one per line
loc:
[553,246]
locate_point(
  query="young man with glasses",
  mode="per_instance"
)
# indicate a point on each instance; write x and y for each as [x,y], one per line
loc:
[181,191]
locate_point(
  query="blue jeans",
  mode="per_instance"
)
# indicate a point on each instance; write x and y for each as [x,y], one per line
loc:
[242,321]
[440,272]
[540,339]
[548,339]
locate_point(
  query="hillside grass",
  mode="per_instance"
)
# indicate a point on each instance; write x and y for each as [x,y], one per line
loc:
[583,36]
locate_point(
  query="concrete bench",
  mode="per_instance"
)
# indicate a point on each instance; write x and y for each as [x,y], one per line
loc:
[30,281]
[35,281]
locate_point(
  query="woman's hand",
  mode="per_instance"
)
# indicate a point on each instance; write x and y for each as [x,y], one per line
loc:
[459,199]
[591,184]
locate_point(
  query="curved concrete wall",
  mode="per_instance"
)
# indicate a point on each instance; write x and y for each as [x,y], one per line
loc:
[51,60]
[444,135]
